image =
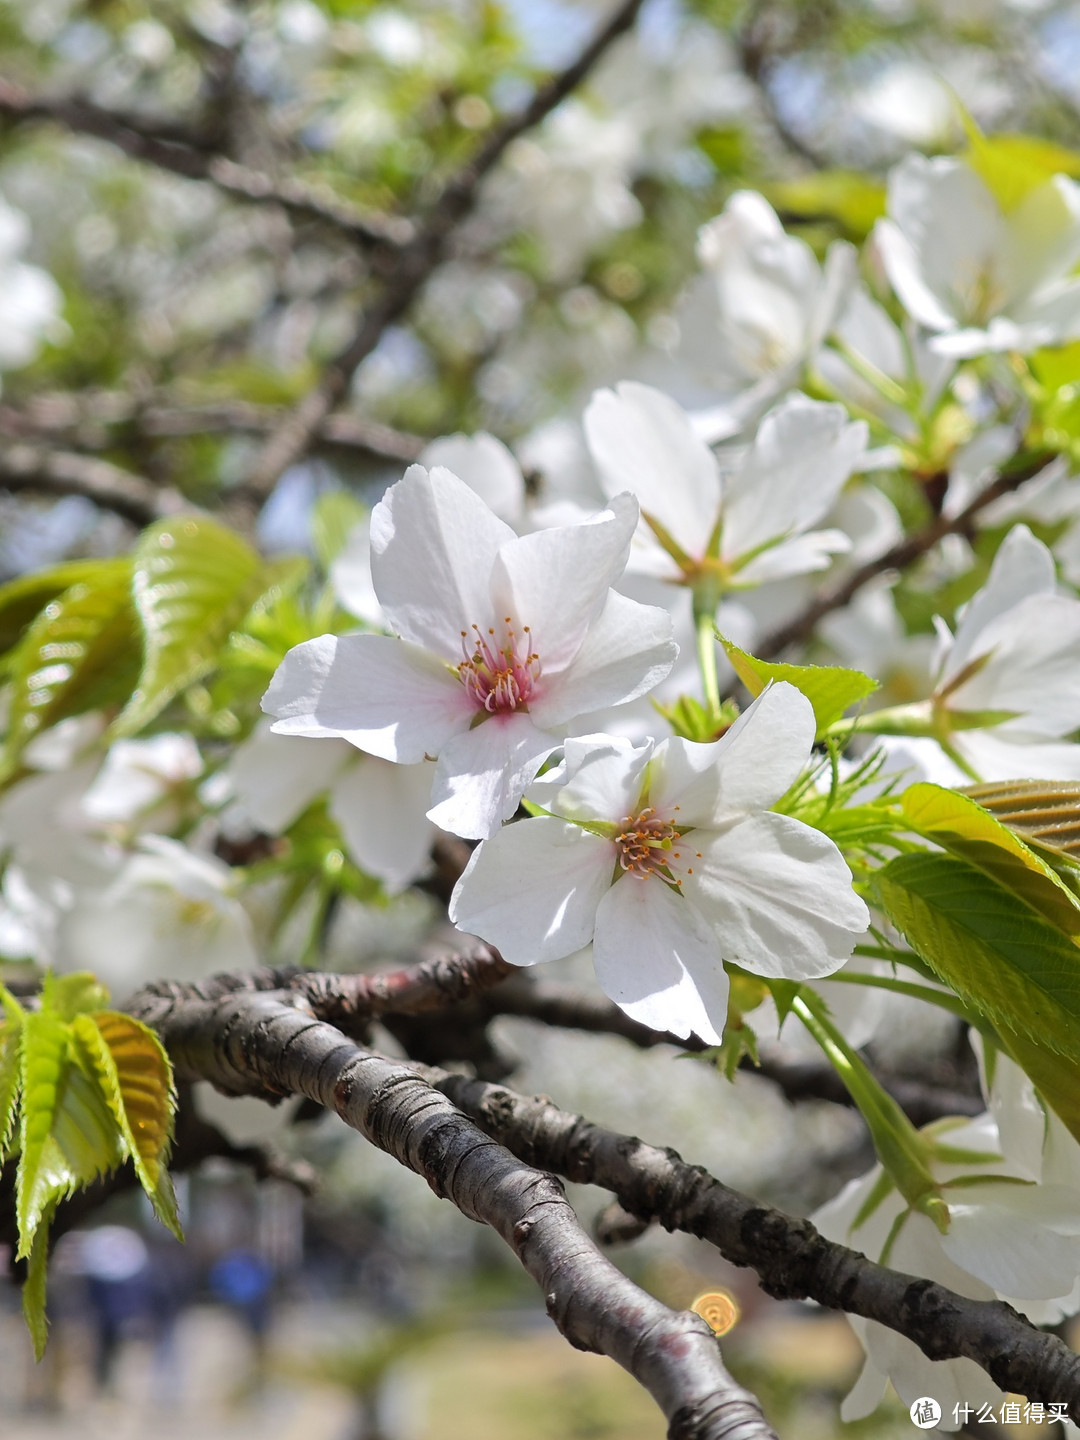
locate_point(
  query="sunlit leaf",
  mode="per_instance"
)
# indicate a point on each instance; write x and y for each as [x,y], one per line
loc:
[134,1074]
[10,1069]
[830,688]
[333,517]
[1044,811]
[961,826]
[67,1136]
[855,200]
[69,995]
[988,945]
[1011,166]
[21,600]
[33,1290]
[194,581]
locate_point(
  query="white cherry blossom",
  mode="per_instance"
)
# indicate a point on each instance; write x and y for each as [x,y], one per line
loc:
[502,642]
[30,298]
[746,522]
[982,279]
[1006,1239]
[378,806]
[759,311]
[1014,662]
[167,912]
[666,859]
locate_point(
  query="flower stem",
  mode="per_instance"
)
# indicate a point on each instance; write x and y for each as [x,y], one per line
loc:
[903,1152]
[705,624]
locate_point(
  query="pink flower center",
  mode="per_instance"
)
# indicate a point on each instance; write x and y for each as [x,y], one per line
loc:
[499,678]
[648,845]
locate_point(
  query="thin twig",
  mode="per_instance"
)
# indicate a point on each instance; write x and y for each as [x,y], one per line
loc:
[414,263]
[90,422]
[164,148]
[38,469]
[903,553]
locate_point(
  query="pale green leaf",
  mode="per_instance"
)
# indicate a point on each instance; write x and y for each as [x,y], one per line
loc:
[33,1290]
[333,518]
[1011,166]
[986,944]
[855,200]
[69,995]
[134,1074]
[194,581]
[22,599]
[67,1136]
[10,1075]
[82,652]
[964,828]
[1045,812]
[830,688]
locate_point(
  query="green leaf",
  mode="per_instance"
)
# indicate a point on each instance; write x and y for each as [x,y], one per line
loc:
[194,581]
[22,599]
[1056,1077]
[986,944]
[67,1136]
[964,828]
[844,195]
[66,996]
[830,689]
[135,1076]
[33,1290]
[333,518]
[1011,166]
[83,651]
[1046,812]
[10,1074]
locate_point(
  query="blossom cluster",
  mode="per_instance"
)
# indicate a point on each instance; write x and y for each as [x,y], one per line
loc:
[543,673]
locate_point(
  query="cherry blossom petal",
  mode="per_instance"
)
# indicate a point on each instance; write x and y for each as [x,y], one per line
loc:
[600,778]
[643,441]
[800,555]
[382,695]
[486,466]
[482,774]
[532,890]
[626,652]
[659,960]
[1022,567]
[557,581]
[759,758]
[802,456]
[433,544]
[1021,1240]
[945,231]
[780,897]
[381,810]
[276,777]
[350,575]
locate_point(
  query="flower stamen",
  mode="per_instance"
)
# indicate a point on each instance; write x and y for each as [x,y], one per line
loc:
[500,678]
[645,846]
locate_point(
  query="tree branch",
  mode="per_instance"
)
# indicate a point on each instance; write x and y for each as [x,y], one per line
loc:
[792,1260]
[89,420]
[170,150]
[903,553]
[39,469]
[254,1039]
[414,262]
[251,1041]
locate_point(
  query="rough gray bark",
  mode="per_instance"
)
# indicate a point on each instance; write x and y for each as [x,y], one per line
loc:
[253,1040]
[265,1042]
